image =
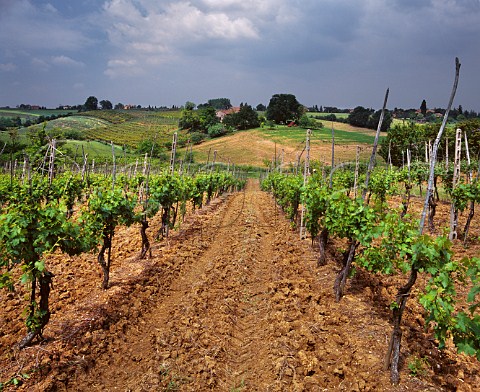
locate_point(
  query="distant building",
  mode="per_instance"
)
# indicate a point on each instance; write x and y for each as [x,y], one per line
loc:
[222,113]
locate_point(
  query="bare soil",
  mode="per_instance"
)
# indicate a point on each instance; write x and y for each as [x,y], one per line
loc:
[232,301]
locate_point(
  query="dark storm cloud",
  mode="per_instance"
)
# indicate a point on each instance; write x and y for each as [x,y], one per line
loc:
[331,52]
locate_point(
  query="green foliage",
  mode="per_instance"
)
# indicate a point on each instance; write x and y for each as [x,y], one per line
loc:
[217,130]
[287,192]
[108,208]
[245,118]
[463,193]
[283,108]
[34,222]
[198,120]
[220,103]
[466,326]
[367,118]
[433,255]
[350,218]
[315,198]
[417,366]
[91,103]
[392,250]
[306,121]
[152,149]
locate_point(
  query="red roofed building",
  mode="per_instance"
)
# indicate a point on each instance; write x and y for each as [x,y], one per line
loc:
[222,113]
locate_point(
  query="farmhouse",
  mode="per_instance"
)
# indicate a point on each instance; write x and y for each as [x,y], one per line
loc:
[222,113]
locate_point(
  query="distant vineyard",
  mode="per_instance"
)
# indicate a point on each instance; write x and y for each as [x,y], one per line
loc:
[133,127]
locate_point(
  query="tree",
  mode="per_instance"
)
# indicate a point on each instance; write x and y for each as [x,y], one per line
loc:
[283,108]
[261,107]
[198,120]
[375,118]
[400,138]
[119,106]
[472,128]
[189,119]
[220,103]
[245,118]
[208,117]
[217,130]
[106,104]
[423,107]
[189,105]
[91,103]
[359,117]
[307,122]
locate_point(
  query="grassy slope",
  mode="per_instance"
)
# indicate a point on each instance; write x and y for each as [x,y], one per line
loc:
[257,147]
[32,113]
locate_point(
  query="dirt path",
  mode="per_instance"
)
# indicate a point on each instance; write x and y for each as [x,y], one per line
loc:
[247,311]
[235,303]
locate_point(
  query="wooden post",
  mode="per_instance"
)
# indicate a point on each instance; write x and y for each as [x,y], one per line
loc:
[24,171]
[333,156]
[214,160]
[357,166]
[456,178]
[114,168]
[393,354]
[145,164]
[190,158]
[174,151]
[282,157]
[51,164]
[467,153]
[84,167]
[306,173]
[446,153]
[136,167]
[409,161]
[389,161]
[371,164]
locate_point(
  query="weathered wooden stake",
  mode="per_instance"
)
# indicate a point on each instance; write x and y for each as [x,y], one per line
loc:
[357,166]
[174,151]
[306,173]
[456,177]
[393,355]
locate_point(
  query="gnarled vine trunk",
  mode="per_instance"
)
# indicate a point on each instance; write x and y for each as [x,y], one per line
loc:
[105,264]
[339,285]
[45,284]
[145,241]
[393,354]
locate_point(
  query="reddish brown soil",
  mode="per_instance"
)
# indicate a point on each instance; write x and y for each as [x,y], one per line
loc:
[233,301]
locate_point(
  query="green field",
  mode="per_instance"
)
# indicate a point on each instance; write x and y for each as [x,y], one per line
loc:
[294,134]
[337,115]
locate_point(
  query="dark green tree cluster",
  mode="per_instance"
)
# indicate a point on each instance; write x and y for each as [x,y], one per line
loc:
[199,120]
[92,104]
[284,108]
[368,118]
[245,118]
[217,103]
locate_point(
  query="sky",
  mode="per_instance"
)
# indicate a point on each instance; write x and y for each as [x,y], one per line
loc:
[342,53]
